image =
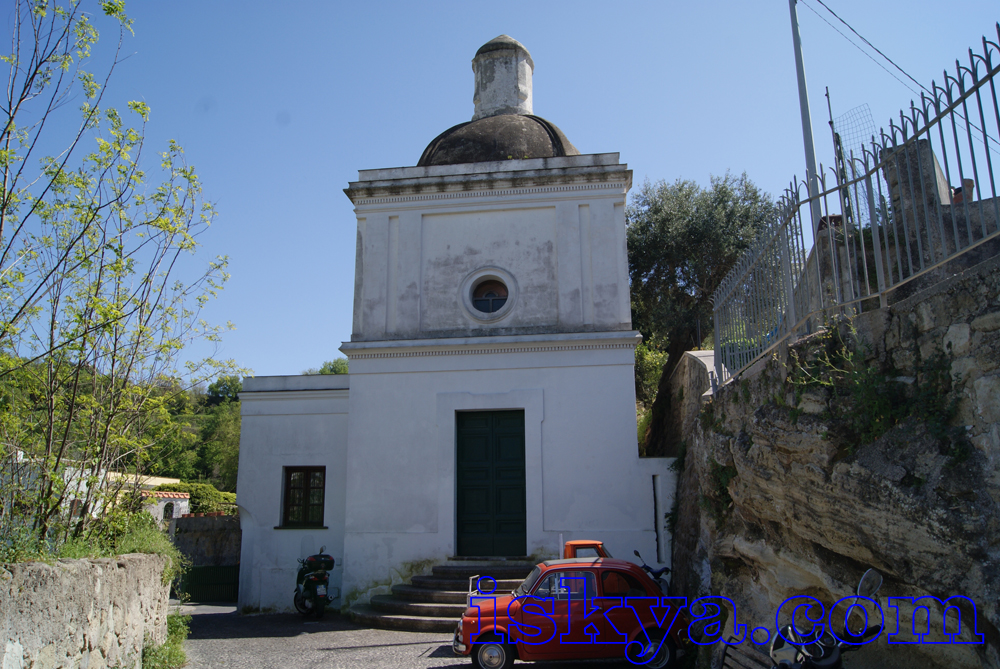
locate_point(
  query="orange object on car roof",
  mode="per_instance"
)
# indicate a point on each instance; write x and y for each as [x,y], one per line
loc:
[572,547]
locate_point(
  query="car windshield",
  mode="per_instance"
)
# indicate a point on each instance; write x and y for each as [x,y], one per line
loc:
[528,582]
[590,551]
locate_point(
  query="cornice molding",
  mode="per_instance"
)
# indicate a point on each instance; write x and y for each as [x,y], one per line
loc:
[497,192]
[487,350]
[299,394]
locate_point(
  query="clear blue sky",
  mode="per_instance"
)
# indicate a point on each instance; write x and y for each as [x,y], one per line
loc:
[278,105]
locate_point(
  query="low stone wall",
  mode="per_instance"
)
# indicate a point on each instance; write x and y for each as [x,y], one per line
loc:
[208,540]
[688,385]
[81,613]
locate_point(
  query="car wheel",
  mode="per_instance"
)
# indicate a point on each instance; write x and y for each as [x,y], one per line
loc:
[492,654]
[666,652]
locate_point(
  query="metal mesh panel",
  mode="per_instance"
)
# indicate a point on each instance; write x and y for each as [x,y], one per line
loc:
[854,133]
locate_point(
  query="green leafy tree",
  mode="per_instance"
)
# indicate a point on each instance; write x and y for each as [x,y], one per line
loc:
[682,241]
[220,437]
[176,454]
[337,366]
[224,389]
[93,314]
[649,361]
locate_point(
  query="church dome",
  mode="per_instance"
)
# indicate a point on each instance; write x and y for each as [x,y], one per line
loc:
[502,127]
[501,137]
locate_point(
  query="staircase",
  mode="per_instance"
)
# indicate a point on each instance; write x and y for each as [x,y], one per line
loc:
[435,602]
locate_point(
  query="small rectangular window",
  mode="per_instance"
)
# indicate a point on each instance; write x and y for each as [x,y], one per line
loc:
[304,496]
[564,584]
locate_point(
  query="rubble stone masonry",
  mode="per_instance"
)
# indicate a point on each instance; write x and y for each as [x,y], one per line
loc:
[81,613]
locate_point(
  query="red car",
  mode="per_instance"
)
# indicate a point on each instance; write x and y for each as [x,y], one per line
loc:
[572,609]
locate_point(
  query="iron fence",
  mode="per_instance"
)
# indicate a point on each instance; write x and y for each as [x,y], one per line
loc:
[917,196]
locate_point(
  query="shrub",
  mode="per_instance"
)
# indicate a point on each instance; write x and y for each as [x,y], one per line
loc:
[870,400]
[649,362]
[116,534]
[143,535]
[171,654]
[718,502]
[20,544]
[205,498]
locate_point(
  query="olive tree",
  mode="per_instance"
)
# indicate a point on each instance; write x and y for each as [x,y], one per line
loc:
[335,366]
[682,241]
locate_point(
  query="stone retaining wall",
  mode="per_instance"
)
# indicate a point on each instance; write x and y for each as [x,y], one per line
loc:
[690,387]
[81,613]
[209,539]
[777,499]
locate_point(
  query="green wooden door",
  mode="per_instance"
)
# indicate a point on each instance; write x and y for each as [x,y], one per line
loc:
[491,508]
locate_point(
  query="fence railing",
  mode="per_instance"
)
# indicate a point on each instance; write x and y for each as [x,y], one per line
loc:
[844,250]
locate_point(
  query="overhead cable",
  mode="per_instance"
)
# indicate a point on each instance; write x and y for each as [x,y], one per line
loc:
[861,37]
[987,137]
[872,58]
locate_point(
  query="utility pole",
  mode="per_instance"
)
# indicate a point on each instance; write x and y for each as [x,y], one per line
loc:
[807,131]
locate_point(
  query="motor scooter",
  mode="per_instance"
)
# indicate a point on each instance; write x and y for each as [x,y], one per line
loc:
[312,584]
[657,575]
[789,650]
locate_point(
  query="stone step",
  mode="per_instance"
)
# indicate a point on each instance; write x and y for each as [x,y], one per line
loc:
[504,586]
[392,605]
[365,615]
[435,602]
[410,593]
[498,571]
[487,558]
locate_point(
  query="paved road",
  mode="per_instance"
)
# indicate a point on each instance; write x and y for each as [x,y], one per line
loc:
[220,638]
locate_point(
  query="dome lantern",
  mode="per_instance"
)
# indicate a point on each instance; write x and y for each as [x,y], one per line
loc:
[503,126]
[503,69]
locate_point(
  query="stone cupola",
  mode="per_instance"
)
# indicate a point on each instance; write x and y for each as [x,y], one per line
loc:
[503,69]
[503,126]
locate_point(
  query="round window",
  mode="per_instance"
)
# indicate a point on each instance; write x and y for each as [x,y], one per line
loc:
[489,296]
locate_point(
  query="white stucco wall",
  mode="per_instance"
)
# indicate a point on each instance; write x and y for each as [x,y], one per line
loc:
[556,226]
[288,421]
[561,350]
[583,475]
[155,505]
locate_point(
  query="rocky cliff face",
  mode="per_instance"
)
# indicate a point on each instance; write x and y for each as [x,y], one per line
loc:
[874,443]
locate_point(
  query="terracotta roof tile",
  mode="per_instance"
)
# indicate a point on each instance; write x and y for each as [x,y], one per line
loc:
[165,494]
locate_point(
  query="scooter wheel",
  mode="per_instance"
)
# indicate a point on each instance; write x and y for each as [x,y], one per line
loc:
[300,604]
[319,608]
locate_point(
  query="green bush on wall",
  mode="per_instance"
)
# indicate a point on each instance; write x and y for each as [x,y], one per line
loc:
[205,498]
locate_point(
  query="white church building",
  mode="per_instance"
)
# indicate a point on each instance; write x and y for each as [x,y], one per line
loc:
[490,405]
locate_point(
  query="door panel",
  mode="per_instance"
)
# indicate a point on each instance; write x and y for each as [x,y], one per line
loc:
[491,491]
[571,591]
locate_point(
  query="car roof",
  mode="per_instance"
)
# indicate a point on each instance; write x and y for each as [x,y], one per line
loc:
[602,563]
[591,562]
